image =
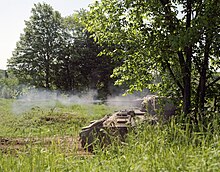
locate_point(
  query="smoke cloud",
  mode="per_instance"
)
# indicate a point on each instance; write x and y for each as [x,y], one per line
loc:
[129,101]
[48,99]
[39,98]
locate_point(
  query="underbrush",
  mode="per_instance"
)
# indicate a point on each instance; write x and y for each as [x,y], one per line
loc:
[169,147]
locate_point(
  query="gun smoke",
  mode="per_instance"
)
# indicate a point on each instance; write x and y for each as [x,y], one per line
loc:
[48,99]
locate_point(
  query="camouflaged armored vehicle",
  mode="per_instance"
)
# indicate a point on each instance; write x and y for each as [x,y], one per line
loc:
[152,109]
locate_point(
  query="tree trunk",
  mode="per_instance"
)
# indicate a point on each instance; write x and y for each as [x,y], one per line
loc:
[187,66]
[47,75]
[187,82]
[186,73]
[47,71]
[203,76]
[185,63]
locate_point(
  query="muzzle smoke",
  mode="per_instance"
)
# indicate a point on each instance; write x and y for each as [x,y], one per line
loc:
[48,99]
[38,98]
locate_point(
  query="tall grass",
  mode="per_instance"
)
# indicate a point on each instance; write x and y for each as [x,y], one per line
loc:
[156,148]
[169,147]
[149,148]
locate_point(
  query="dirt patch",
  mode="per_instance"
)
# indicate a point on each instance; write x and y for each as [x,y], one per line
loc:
[57,118]
[66,144]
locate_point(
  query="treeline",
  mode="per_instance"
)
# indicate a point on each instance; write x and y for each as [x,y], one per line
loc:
[57,53]
[142,44]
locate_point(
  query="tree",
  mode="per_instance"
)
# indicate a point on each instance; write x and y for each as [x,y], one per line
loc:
[83,69]
[170,47]
[37,50]
[58,53]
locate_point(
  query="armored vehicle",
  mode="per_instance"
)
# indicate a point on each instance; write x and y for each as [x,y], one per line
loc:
[116,126]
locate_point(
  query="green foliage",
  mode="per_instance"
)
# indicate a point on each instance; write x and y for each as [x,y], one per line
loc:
[78,67]
[10,86]
[38,47]
[170,47]
[58,53]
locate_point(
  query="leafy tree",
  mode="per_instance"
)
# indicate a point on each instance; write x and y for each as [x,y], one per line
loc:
[170,47]
[78,67]
[37,50]
[58,53]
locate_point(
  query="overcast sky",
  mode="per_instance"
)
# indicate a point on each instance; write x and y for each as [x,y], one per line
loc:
[14,12]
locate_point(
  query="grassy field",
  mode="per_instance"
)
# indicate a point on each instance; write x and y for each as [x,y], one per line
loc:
[46,139]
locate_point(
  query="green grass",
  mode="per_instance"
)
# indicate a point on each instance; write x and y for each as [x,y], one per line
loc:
[169,147]
[59,120]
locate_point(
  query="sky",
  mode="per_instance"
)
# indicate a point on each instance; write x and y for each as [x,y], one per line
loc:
[13,13]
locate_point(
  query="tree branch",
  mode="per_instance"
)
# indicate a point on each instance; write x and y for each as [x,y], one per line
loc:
[213,82]
[174,77]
